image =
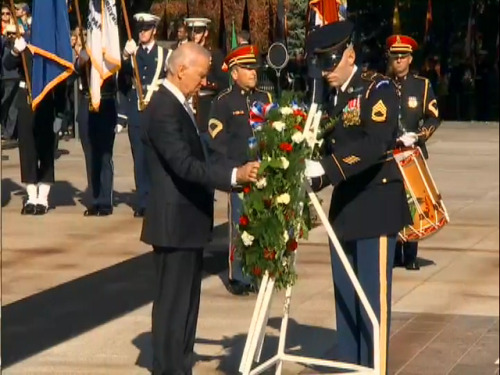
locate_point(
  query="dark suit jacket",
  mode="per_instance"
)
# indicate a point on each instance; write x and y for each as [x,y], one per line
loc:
[179,212]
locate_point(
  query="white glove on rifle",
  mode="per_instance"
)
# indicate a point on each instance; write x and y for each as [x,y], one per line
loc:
[313,169]
[19,44]
[130,48]
[408,139]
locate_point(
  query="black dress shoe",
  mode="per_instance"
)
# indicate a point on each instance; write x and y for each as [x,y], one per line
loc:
[28,209]
[91,211]
[139,212]
[105,211]
[412,266]
[237,288]
[41,209]
[398,263]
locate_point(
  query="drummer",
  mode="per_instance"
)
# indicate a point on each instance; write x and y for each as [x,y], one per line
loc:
[418,118]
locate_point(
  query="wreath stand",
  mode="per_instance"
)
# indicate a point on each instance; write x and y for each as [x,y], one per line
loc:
[256,333]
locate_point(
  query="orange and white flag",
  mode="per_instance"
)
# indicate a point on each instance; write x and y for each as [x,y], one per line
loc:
[103,45]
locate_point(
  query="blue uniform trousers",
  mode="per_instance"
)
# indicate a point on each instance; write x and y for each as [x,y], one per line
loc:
[141,171]
[97,135]
[235,205]
[372,261]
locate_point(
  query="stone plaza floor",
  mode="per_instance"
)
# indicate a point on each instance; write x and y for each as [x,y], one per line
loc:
[77,291]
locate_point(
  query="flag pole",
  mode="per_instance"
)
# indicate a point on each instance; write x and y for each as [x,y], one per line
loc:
[134,60]
[23,57]
[81,36]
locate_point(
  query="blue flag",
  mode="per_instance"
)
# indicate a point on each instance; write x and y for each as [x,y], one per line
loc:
[50,46]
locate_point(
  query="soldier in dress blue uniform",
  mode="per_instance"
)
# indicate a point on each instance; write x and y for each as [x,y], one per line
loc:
[368,204]
[151,62]
[216,81]
[229,129]
[97,134]
[419,118]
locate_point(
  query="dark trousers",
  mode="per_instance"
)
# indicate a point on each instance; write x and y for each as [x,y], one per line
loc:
[97,134]
[141,171]
[406,252]
[36,140]
[175,308]
[372,261]
[9,110]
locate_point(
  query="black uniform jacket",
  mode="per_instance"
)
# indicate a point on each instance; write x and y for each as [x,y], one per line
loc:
[179,211]
[229,125]
[369,198]
[419,108]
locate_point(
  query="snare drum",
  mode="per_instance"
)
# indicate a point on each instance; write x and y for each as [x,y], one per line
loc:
[426,205]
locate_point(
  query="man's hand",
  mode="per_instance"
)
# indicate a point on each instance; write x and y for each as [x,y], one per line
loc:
[247,172]
[314,169]
[408,139]
[19,45]
[130,48]
[83,57]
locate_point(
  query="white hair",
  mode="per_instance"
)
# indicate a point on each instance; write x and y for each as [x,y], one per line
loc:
[187,54]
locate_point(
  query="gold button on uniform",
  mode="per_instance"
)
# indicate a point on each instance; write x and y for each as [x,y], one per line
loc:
[384,180]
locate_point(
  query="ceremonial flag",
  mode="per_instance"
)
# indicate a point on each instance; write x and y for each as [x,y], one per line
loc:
[103,45]
[396,23]
[50,47]
[428,21]
[323,12]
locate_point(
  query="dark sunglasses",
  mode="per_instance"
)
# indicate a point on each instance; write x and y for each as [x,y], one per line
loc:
[6,13]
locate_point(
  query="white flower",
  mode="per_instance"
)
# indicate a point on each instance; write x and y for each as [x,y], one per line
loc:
[283,199]
[284,162]
[247,238]
[311,139]
[297,137]
[286,111]
[261,183]
[279,125]
[286,237]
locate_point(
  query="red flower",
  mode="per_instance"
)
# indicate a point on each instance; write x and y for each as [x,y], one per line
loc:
[299,128]
[269,254]
[287,147]
[299,113]
[292,245]
[257,271]
[247,189]
[244,221]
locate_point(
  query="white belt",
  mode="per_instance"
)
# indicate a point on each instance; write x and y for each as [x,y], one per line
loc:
[22,84]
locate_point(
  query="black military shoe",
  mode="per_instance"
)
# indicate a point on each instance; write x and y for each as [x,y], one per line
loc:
[412,266]
[28,209]
[237,288]
[91,211]
[41,209]
[139,212]
[105,211]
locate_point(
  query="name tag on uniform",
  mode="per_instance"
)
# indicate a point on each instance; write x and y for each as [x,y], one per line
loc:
[238,113]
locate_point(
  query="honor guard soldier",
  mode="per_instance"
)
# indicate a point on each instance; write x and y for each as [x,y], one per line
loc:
[36,135]
[217,80]
[229,129]
[368,204]
[97,135]
[151,64]
[418,118]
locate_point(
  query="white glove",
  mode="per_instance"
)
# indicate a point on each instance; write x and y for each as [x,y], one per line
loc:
[130,47]
[118,128]
[20,44]
[408,139]
[313,169]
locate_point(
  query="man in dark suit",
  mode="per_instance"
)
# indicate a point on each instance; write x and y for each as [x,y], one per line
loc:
[179,214]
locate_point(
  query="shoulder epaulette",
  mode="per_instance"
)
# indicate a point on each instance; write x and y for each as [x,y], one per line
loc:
[269,96]
[224,93]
